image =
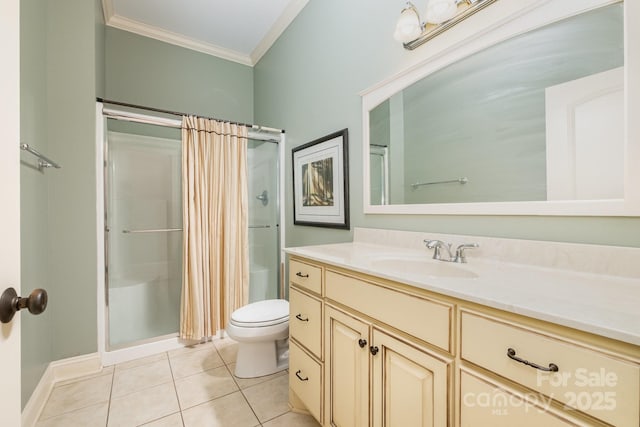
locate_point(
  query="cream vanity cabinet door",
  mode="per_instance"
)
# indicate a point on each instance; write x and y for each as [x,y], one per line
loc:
[409,384]
[346,370]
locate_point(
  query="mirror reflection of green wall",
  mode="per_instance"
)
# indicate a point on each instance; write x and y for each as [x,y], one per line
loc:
[486,118]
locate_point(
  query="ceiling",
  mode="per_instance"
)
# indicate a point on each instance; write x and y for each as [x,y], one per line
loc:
[237,30]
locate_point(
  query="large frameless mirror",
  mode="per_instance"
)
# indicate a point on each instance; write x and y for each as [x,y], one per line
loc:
[531,123]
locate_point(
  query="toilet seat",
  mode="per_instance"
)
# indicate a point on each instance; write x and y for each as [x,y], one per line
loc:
[261,314]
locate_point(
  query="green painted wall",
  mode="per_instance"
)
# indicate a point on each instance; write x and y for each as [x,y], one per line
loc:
[148,72]
[70,99]
[36,332]
[61,48]
[308,83]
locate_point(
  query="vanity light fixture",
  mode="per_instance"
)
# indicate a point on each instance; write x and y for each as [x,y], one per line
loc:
[440,15]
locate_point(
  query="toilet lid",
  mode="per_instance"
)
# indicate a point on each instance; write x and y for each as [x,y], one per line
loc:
[261,313]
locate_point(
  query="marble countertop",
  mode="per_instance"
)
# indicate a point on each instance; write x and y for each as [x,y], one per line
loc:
[602,304]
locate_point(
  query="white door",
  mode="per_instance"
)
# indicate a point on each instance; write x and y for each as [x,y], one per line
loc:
[10,206]
[580,115]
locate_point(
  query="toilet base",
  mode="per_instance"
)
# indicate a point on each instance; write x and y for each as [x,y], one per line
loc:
[257,359]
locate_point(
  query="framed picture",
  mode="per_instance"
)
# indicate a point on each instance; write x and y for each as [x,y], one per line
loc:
[321,182]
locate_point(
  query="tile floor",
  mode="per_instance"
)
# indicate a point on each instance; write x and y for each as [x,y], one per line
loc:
[191,386]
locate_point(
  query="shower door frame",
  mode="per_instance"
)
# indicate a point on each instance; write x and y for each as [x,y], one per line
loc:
[110,355]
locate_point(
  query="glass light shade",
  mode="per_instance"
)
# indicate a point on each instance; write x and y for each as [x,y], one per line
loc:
[439,11]
[408,27]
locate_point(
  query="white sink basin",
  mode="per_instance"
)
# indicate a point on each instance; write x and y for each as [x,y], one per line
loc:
[424,268]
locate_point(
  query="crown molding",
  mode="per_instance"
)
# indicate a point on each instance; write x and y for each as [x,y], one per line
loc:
[288,15]
[122,23]
[107,10]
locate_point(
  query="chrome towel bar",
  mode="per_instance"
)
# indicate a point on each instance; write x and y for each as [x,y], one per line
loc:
[166,230]
[155,230]
[462,180]
[43,161]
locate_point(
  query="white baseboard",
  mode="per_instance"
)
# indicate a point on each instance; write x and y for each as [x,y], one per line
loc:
[57,371]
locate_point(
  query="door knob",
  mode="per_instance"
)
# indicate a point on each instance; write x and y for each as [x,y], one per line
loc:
[362,343]
[10,302]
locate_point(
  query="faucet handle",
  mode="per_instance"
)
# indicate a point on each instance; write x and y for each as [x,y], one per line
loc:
[437,245]
[460,256]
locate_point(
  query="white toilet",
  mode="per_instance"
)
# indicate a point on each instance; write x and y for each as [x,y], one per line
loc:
[262,332]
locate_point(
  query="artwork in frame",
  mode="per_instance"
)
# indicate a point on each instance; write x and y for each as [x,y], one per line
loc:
[321,182]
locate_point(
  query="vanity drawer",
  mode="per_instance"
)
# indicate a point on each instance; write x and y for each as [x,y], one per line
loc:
[486,403]
[305,321]
[305,379]
[306,276]
[596,383]
[426,319]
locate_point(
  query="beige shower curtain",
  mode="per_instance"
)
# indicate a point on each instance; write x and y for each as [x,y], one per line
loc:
[215,278]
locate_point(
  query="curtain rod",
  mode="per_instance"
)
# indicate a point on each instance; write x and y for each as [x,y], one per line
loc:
[177,113]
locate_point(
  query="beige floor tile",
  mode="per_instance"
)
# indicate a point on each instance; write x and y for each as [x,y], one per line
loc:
[107,370]
[292,419]
[196,346]
[174,420]
[142,361]
[135,379]
[248,382]
[204,386]
[77,395]
[190,363]
[143,406]
[227,348]
[230,410]
[270,398]
[95,415]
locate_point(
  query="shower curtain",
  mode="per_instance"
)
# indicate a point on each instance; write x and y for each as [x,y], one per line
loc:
[215,213]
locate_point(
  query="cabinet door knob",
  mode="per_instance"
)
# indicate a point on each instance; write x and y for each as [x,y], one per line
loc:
[362,343]
[300,378]
[512,355]
[300,318]
[10,303]
[374,350]
[299,274]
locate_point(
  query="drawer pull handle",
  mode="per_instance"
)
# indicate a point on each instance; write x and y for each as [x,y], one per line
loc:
[512,355]
[299,274]
[300,378]
[362,343]
[299,317]
[374,350]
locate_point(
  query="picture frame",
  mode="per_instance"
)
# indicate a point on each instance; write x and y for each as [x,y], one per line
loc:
[321,181]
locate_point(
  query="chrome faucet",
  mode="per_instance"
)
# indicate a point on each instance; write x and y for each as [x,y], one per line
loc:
[437,246]
[459,257]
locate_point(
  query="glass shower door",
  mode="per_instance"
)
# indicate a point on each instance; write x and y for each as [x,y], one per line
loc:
[264,216]
[144,233]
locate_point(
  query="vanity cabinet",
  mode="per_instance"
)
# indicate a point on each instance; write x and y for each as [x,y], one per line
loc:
[405,384]
[489,403]
[306,365]
[347,369]
[581,377]
[388,354]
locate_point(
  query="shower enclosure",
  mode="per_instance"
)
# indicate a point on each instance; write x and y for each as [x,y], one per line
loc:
[143,230]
